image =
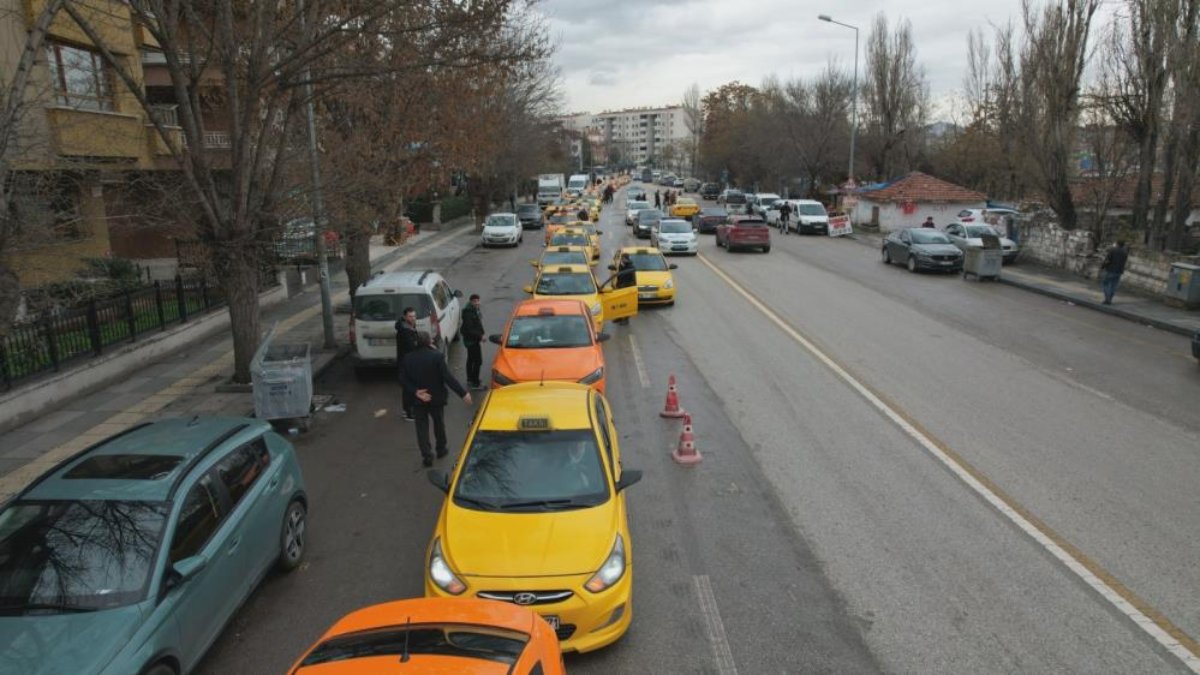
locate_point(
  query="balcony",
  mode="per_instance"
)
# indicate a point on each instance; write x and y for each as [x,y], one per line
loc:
[94,133]
[216,140]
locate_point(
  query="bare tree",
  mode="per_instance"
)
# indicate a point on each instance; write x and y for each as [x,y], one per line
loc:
[895,97]
[693,118]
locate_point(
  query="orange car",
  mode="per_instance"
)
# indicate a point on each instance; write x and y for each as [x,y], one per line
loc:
[436,635]
[549,340]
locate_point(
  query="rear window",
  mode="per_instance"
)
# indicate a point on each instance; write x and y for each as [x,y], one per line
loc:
[648,215]
[463,642]
[124,467]
[528,209]
[388,306]
[735,198]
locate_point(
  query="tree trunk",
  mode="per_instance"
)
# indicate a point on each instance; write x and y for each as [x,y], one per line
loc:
[1146,167]
[1157,230]
[358,258]
[237,269]
[1182,207]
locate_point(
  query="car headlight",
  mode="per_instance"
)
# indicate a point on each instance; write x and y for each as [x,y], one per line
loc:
[611,571]
[670,283]
[499,378]
[595,309]
[593,377]
[440,572]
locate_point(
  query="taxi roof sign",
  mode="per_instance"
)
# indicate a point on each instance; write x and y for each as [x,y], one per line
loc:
[533,423]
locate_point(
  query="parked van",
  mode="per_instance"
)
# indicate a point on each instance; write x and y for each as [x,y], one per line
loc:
[379,303]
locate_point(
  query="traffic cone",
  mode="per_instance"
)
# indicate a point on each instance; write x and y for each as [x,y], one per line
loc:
[686,452]
[672,409]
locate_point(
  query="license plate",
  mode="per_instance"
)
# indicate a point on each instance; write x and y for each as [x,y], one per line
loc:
[381,342]
[647,296]
[552,620]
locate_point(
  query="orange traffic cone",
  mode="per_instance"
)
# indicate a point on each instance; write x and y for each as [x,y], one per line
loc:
[686,452]
[672,409]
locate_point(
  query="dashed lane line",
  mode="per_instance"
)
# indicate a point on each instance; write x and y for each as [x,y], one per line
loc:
[643,376]
[1141,613]
[722,654]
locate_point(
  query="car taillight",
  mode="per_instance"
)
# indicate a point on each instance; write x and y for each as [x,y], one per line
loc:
[435,328]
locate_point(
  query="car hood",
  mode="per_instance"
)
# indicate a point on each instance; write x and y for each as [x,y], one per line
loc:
[936,249]
[814,219]
[567,363]
[65,643]
[652,277]
[488,544]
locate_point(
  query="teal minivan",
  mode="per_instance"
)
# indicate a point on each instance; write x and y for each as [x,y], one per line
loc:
[130,557]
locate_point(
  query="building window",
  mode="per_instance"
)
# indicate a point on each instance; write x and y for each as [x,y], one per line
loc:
[80,78]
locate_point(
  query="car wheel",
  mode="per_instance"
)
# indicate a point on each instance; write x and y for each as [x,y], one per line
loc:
[887,256]
[291,539]
[912,264]
[766,249]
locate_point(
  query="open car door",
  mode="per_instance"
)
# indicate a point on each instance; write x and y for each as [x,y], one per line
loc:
[619,303]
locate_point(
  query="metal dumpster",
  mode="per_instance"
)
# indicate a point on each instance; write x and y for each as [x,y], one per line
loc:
[1183,286]
[984,262]
[281,374]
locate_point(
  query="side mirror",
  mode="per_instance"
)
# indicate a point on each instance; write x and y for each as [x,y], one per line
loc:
[602,337]
[494,338]
[672,266]
[185,570]
[458,294]
[528,289]
[440,480]
[613,268]
[629,477]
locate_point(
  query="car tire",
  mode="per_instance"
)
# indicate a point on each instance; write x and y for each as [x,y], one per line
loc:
[766,249]
[912,264]
[887,256]
[291,537]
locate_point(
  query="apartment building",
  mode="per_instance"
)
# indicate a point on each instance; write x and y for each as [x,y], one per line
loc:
[641,135]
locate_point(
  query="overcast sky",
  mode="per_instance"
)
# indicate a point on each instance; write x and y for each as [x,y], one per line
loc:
[628,53]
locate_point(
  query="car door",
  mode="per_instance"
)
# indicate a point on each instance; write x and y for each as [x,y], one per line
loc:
[255,509]
[619,303]
[955,232]
[903,244]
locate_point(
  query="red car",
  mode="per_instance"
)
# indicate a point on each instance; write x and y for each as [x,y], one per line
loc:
[742,232]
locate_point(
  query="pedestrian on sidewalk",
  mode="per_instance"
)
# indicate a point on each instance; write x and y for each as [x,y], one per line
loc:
[1113,267]
[406,342]
[472,332]
[426,374]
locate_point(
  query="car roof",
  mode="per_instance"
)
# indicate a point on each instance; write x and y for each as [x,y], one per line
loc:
[566,404]
[804,201]
[640,250]
[434,610]
[405,279]
[567,269]
[673,221]
[189,439]
[535,306]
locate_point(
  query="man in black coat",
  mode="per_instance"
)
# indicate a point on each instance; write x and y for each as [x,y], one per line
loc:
[406,342]
[1112,268]
[426,375]
[472,334]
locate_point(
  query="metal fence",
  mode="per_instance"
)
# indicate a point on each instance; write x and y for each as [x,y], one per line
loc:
[78,333]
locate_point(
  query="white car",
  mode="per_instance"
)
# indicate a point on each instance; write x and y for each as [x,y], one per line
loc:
[990,216]
[501,229]
[807,216]
[674,236]
[967,235]
[631,209]
[379,304]
[762,203]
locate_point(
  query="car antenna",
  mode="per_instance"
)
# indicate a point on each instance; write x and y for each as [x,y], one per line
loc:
[542,382]
[407,633]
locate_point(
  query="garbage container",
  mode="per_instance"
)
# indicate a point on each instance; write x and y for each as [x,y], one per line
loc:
[984,262]
[281,375]
[1183,286]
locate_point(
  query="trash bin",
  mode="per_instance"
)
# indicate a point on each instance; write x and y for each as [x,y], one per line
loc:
[984,262]
[282,378]
[1183,286]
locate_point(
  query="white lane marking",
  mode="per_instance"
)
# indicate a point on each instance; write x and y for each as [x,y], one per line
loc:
[716,628]
[1159,629]
[643,376]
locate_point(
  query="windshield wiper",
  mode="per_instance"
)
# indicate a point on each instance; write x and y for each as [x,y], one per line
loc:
[546,504]
[44,606]
[482,503]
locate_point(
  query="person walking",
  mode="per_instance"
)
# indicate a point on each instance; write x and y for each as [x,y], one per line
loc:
[626,277]
[657,200]
[929,222]
[406,343]
[1113,267]
[427,376]
[472,334]
[785,213]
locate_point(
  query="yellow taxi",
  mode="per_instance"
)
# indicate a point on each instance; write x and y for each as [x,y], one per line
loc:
[557,222]
[655,283]
[535,513]
[576,236]
[593,234]
[593,205]
[563,255]
[604,301]
[684,207]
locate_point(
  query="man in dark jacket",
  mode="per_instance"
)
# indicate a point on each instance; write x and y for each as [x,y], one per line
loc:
[472,334]
[626,277]
[1112,268]
[427,376]
[406,343]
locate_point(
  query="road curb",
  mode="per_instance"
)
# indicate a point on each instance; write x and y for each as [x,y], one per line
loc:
[1111,310]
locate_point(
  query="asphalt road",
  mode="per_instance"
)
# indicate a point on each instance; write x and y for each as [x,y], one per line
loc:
[819,534]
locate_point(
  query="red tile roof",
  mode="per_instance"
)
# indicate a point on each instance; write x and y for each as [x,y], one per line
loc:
[921,187]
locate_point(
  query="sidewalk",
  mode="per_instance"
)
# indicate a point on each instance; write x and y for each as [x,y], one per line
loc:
[185,382]
[1063,285]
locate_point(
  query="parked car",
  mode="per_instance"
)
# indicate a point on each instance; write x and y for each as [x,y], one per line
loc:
[684,207]
[710,191]
[530,216]
[132,555]
[379,303]
[501,229]
[675,236]
[297,242]
[965,235]
[743,233]
[708,220]
[691,184]
[922,248]
[647,220]
[631,210]
[807,216]
[731,196]
[635,194]
[549,339]
[991,216]
[762,203]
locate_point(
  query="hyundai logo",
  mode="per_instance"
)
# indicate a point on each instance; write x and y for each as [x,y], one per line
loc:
[525,598]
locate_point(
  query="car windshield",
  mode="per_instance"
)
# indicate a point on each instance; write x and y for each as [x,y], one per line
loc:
[528,209]
[554,258]
[674,227]
[560,219]
[388,307]
[637,206]
[532,470]
[810,210]
[71,556]
[735,198]
[548,332]
[566,283]
[569,240]
[498,220]
[767,201]
[648,262]
[979,230]
[928,236]
[647,215]
[450,640]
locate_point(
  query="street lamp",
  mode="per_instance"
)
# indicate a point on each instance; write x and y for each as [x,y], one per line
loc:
[854,118]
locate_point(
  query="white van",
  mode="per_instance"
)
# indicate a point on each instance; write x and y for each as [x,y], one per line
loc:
[809,216]
[379,303]
[577,184]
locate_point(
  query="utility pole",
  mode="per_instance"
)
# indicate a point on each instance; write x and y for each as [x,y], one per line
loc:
[318,203]
[854,114]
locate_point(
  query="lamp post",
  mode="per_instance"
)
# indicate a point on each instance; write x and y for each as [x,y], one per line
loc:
[854,105]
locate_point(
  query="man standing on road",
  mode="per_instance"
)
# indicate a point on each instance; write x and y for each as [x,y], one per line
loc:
[657,200]
[626,277]
[1113,267]
[785,212]
[929,223]
[472,333]
[406,343]
[426,374]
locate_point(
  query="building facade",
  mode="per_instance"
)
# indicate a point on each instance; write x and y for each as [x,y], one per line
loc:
[633,136]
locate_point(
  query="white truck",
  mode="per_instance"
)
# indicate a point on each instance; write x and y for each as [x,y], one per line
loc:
[550,187]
